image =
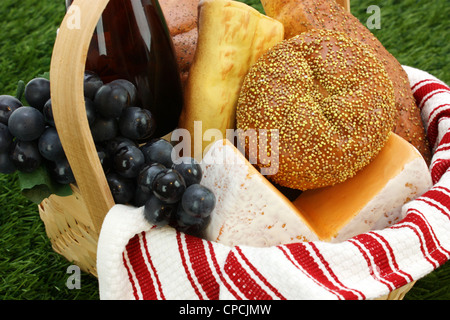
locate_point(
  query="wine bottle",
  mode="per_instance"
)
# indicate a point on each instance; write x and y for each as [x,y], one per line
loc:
[131,41]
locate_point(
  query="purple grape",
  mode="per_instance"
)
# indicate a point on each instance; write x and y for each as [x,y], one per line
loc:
[159,151]
[169,186]
[122,189]
[6,138]
[117,142]
[189,169]
[92,82]
[90,111]
[130,87]
[37,92]
[198,201]
[7,105]
[158,212]
[104,129]
[140,197]
[50,145]
[128,161]
[148,175]
[189,224]
[137,123]
[110,100]
[47,111]
[61,171]
[25,155]
[26,123]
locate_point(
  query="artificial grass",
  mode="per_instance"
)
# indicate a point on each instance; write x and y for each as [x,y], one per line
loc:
[29,268]
[414,31]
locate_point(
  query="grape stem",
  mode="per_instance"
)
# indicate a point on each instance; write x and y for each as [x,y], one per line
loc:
[20,90]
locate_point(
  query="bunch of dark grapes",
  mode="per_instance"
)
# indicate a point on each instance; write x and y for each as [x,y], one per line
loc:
[28,139]
[139,168]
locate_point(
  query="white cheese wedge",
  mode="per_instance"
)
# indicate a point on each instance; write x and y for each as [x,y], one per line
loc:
[251,211]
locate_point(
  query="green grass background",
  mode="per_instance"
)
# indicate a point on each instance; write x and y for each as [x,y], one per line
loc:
[414,31]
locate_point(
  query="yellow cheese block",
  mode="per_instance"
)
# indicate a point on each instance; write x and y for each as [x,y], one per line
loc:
[251,211]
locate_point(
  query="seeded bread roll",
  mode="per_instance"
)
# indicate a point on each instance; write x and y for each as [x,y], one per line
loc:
[331,101]
[301,16]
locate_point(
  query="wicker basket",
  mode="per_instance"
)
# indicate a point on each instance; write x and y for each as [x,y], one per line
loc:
[73,223]
[69,226]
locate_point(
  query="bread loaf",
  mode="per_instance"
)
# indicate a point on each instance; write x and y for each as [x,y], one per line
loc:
[181,19]
[301,16]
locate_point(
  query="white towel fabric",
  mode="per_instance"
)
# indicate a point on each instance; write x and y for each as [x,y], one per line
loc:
[139,261]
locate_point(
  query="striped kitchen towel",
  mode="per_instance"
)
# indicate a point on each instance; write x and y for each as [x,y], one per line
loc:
[138,261]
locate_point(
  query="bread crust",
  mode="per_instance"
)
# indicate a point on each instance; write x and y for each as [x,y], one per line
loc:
[301,16]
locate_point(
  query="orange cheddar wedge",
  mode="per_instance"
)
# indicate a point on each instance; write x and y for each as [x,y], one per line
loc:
[372,199]
[251,211]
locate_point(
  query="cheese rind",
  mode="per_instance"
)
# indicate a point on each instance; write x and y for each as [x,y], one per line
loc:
[251,211]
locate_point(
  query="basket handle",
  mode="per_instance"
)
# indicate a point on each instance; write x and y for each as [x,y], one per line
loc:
[67,75]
